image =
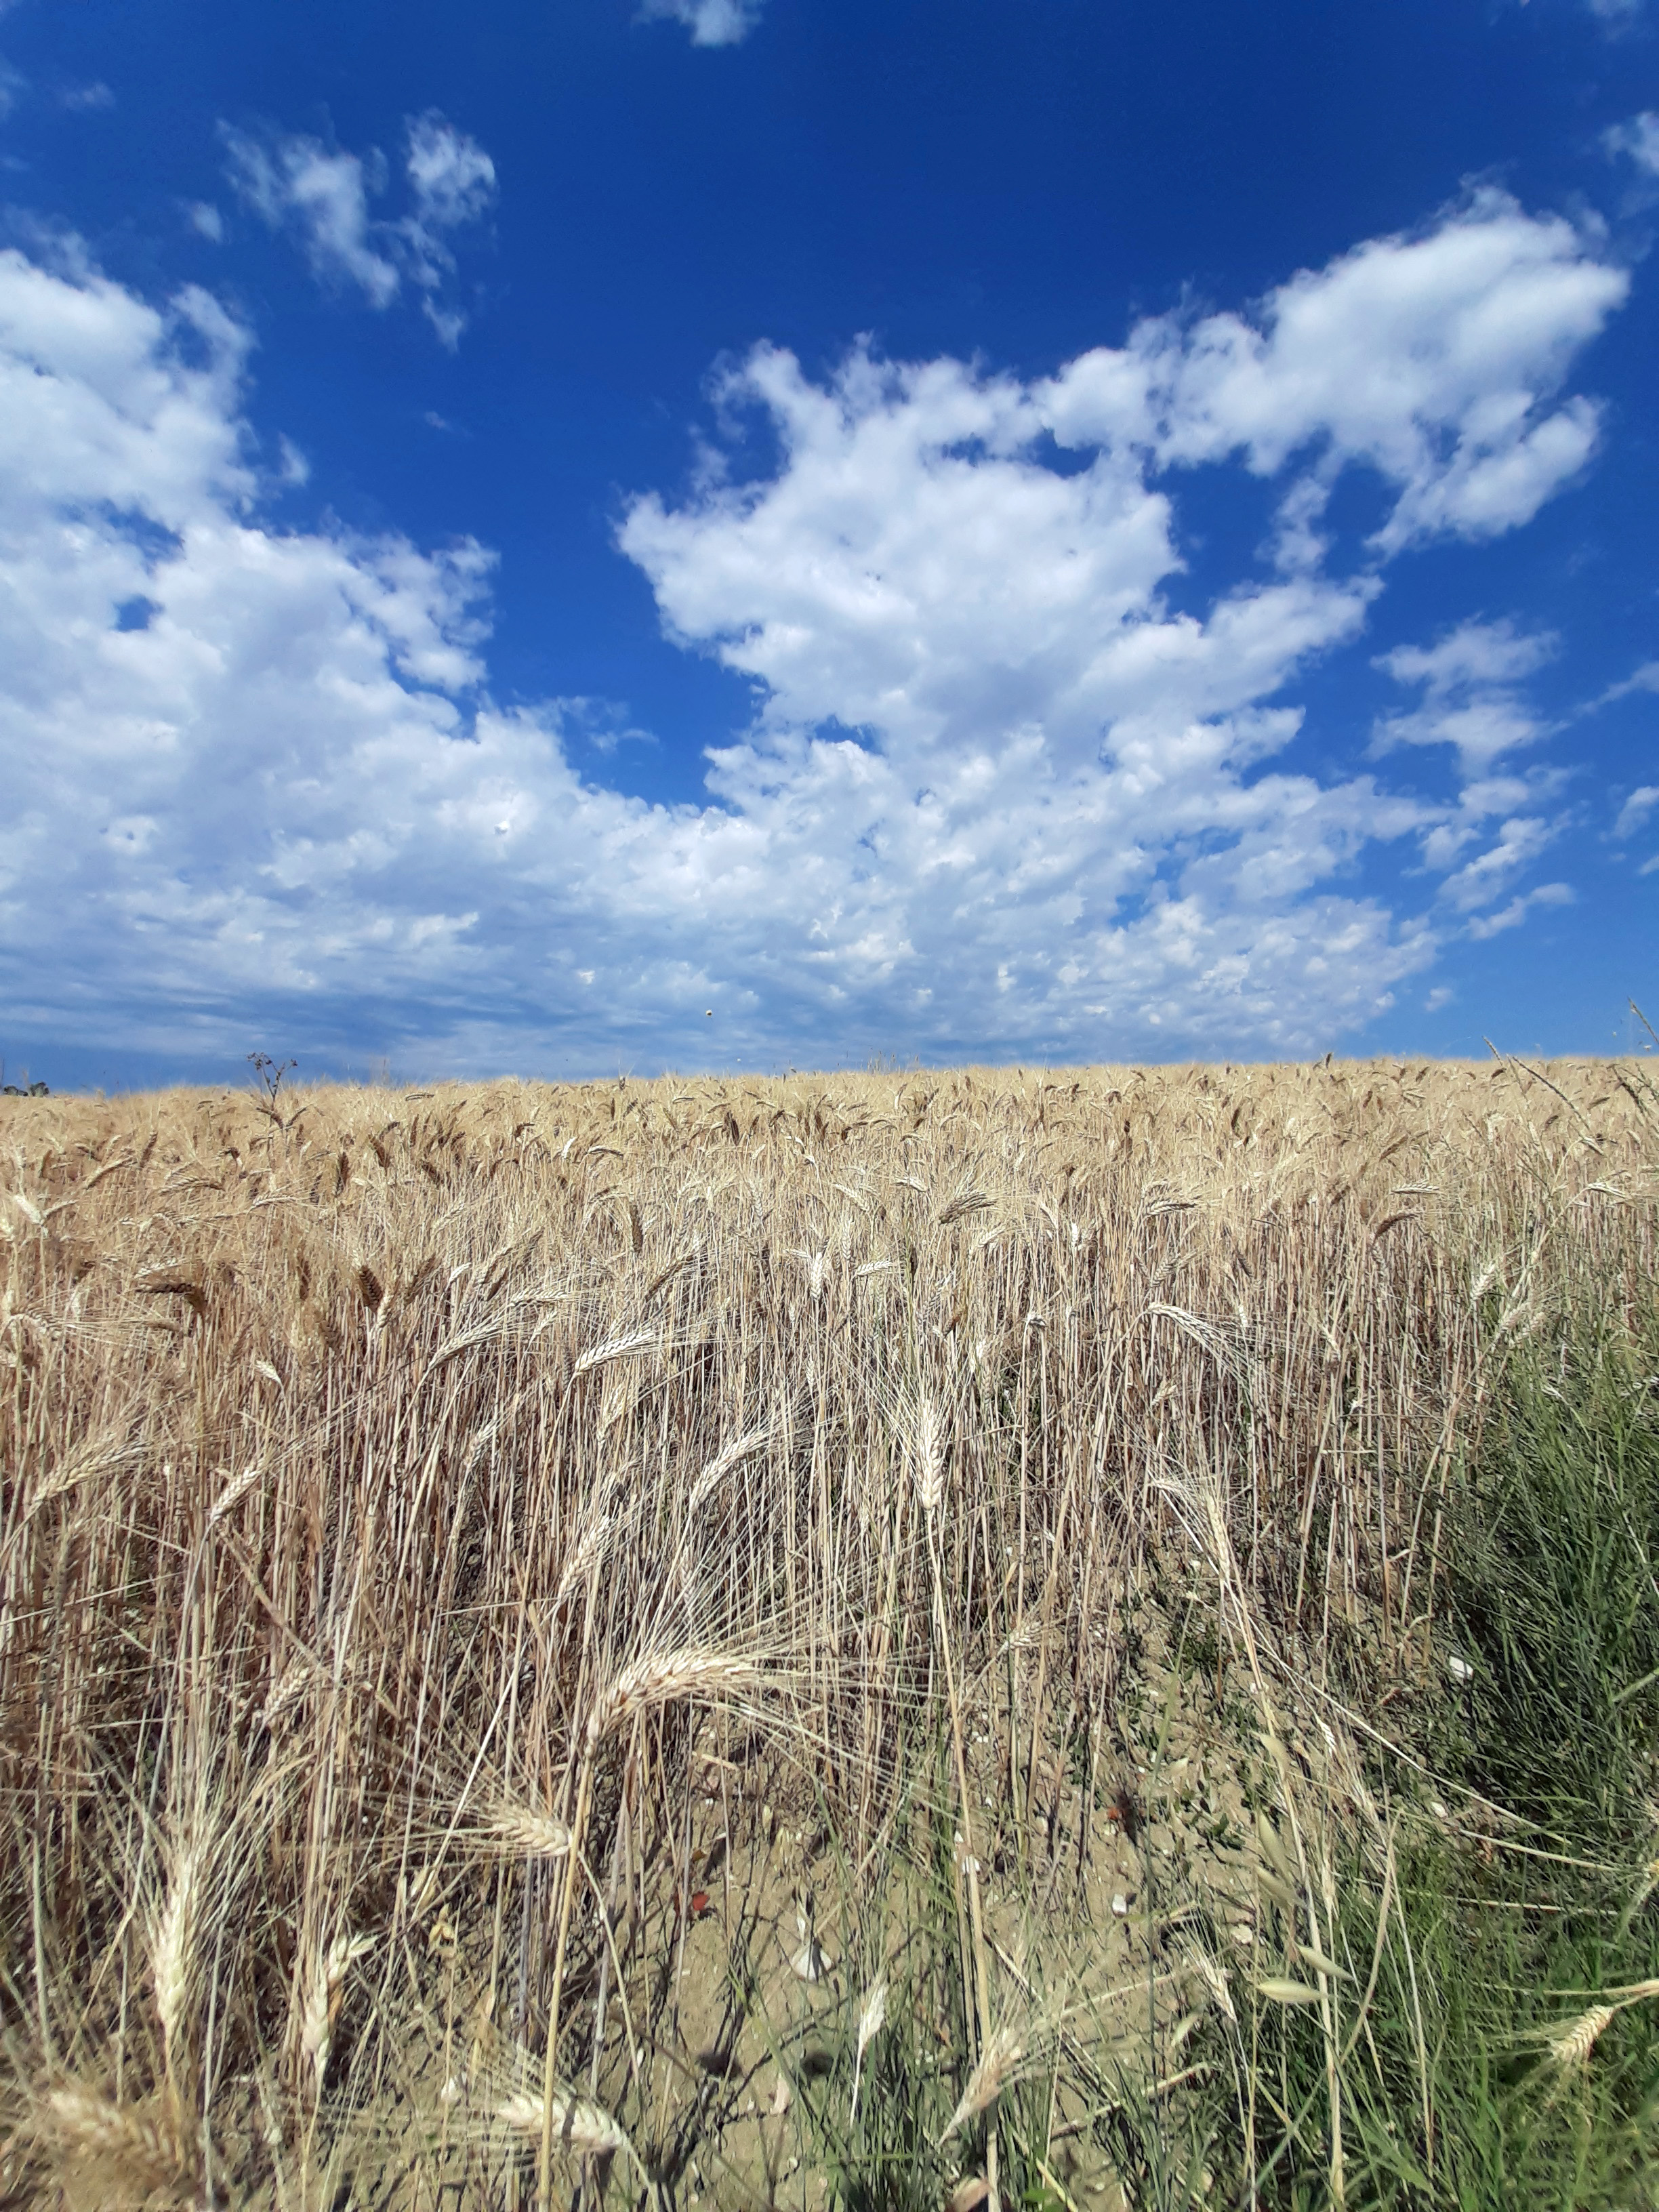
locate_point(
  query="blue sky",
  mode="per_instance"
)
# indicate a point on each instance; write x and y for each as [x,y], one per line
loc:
[750,532]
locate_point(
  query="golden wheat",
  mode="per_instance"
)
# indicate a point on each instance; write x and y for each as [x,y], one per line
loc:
[750,1414]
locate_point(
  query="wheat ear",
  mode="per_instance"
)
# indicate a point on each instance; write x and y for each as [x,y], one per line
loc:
[140,2146]
[646,1684]
[522,1828]
[870,2020]
[998,2064]
[927,1445]
[322,2005]
[582,2126]
[1574,2045]
[172,1956]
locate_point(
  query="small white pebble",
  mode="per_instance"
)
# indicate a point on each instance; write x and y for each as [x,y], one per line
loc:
[1120,1906]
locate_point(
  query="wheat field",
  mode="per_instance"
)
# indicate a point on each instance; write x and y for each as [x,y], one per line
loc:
[532,1615]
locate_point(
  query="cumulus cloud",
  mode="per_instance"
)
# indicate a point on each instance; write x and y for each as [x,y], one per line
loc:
[1000,793]
[711,22]
[1435,359]
[1633,814]
[916,568]
[321,195]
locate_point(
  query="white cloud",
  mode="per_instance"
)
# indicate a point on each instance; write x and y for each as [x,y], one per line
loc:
[1476,652]
[916,569]
[86,99]
[711,22]
[324,197]
[1434,359]
[205,220]
[1470,698]
[1644,678]
[1472,701]
[1638,139]
[297,182]
[1512,915]
[999,793]
[1633,814]
[1477,882]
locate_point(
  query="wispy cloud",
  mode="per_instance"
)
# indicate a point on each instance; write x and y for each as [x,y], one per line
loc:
[1511,916]
[1636,140]
[1471,680]
[1472,700]
[1617,14]
[322,196]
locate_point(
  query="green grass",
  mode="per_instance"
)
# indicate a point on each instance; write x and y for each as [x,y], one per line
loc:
[1510,1918]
